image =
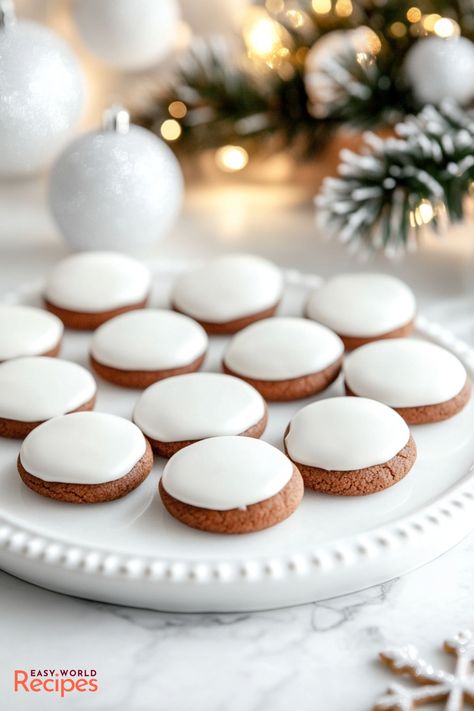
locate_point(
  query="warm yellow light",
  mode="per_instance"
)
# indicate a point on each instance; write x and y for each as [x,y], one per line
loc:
[414,14]
[262,36]
[322,7]
[424,213]
[300,54]
[444,27]
[295,17]
[429,21]
[230,159]
[398,29]
[343,8]
[177,109]
[170,130]
[366,41]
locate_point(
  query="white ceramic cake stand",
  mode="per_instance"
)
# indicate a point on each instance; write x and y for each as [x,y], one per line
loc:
[132,552]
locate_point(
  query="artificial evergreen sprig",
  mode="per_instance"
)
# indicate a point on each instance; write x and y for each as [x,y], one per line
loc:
[232,99]
[227,101]
[422,176]
[362,90]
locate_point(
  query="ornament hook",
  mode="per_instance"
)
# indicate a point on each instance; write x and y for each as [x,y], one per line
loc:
[7,13]
[116,118]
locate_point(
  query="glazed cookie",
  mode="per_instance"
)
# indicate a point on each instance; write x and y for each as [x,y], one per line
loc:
[85,458]
[87,289]
[363,307]
[420,380]
[36,389]
[285,358]
[136,349]
[350,446]
[230,485]
[228,293]
[26,331]
[178,411]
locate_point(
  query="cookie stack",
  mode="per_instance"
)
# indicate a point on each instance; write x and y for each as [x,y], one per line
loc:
[220,477]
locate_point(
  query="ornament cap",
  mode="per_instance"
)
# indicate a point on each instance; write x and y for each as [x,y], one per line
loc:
[116,118]
[7,14]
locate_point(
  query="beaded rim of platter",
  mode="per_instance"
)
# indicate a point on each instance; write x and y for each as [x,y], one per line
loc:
[323,558]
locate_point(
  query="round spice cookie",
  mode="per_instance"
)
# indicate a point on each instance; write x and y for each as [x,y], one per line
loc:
[85,458]
[363,307]
[230,485]
[227,293]
[35,389]
[285,358]
[87,289]
[420,380]
[26,331]
[177,412]
[138,348]
[350,446]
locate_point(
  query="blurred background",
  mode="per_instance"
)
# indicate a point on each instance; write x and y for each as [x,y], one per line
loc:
[266,106]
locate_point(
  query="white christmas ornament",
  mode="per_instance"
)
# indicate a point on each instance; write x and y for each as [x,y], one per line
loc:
[128,34]
[212,17]
[118,188]
[41,94]
[439,69]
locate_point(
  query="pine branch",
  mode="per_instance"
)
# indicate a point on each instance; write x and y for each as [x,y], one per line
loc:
[227,101]
[396,186]
[377,15]
[231,100]
[362,90]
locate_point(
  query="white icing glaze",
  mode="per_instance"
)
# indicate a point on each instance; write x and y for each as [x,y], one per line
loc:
[362,304]
[25,330]
[228,288]
[148,339]
[282,348]
[196,406]
[83,448]
[97,281]
[346,433]
[36,388]
[404,372]
[225,473]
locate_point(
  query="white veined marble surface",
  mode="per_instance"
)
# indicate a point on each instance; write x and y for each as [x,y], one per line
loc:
[320,657]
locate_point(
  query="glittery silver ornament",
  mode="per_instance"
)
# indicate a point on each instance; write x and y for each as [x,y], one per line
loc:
[41,95]
[440,69]
[128,34]
[118,188]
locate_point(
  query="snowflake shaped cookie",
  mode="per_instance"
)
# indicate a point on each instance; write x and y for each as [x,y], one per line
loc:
[435,684]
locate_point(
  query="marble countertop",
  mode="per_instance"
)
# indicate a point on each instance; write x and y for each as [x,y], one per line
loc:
[314,657]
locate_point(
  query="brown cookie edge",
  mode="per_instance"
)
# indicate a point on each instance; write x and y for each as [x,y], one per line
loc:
[167,449]
[358,482]
[90,493]
[255,517]
[293,388]
[52,353]
[87,320]
[228,327]
[353,342]
[140,379]
[427,414]
[18,429]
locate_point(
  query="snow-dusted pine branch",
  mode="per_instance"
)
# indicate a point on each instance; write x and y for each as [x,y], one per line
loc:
[421,176]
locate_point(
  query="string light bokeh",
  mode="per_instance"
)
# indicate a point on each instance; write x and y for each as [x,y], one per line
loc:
[269,46]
